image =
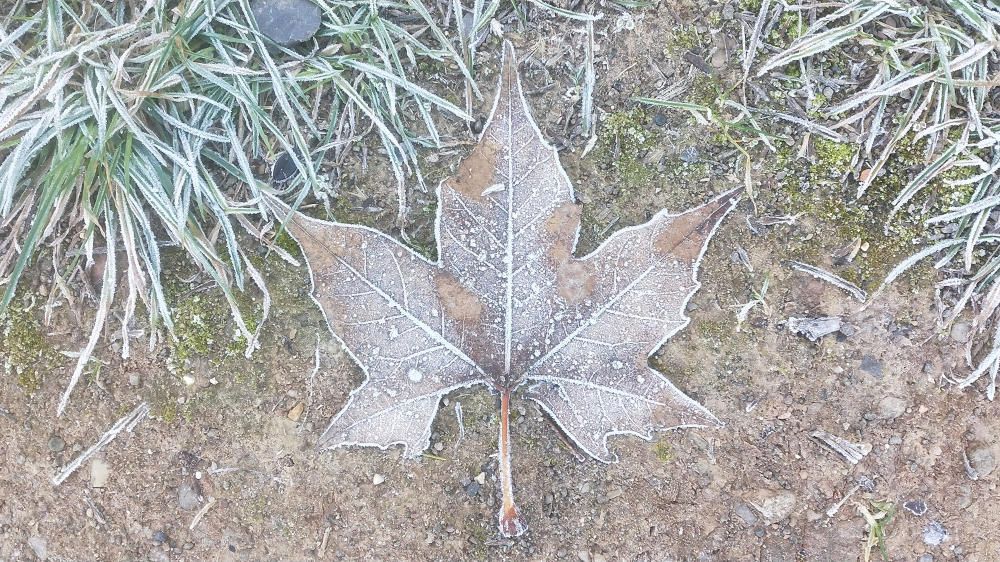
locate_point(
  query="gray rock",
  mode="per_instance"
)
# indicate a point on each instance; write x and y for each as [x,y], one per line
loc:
[934,534]
[134,379]
[981,460]
[775,505]
[928,557]
[961,331]
[745,513]
[472,488]
[287,22]
[891,407]
[39,547]
[99,473]
[871,366]
[187,496]
[56,444]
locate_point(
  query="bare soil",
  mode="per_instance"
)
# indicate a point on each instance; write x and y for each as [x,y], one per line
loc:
[241,433]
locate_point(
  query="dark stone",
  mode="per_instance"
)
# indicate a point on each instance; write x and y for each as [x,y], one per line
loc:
[472,488]
[287,22]
[916,507]
[284,170]
[659,119]
[871,366]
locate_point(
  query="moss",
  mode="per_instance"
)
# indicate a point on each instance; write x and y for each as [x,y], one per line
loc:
[625,138]
[683,39]
[663,451]
[825,190]
[23,348]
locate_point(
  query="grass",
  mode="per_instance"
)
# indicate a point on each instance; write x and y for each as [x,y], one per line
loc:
[130,128]
[924,75]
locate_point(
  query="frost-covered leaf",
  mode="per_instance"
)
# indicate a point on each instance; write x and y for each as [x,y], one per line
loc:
[508,304]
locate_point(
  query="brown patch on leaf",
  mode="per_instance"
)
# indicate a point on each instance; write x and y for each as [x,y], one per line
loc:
[686,234]
[475,173]
[562,225]
[459,303]
[576,280]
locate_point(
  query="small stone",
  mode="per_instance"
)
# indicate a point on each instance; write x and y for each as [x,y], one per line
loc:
[284,170]
[916,507]
[160,537]
[583,556]
[429,539]
[961,331]
[378,479]
[56,444]
[982,461]
[39,547]
[295,414]
[891,407]
[438,447]
[871,366]
[775,505]
[690,155]
[481,478]
[744,512]
[934,534]
[926,557]
[895,440]
[472,488]
[659,119]
[187,496]
[99,473]
[287,22]
[134,379]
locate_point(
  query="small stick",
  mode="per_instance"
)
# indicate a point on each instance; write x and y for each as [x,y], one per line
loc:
[126,423]
[836,507]
[201,513]
[836,281]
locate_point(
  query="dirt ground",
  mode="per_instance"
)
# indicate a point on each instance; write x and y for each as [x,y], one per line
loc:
[224,467]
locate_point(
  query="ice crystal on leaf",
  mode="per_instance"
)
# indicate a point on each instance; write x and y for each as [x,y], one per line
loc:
[508,304]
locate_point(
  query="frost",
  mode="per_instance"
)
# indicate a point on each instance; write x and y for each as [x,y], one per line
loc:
[508,304]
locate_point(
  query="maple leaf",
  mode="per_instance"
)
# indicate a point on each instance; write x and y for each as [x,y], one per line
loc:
[509,304]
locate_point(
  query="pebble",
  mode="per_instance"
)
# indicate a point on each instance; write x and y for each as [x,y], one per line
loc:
[472,488]
[295,414]
[744,512]
[916,507]
[583,556]
[775,505]
[438,447]
[871,366]
[378,479]
[39,547]
[134,379]
[690,155]
[287,22]
[927,557]
[187,496]
[891,407]
[56,444]
[481,478]
[659,119]
[99,472]
[982,460]
[934,534]
[160,537]
[895,440]
[961,331]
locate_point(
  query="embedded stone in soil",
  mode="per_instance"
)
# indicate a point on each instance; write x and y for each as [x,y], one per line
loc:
[284,169]
[287,22]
